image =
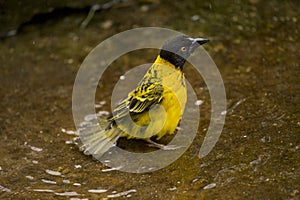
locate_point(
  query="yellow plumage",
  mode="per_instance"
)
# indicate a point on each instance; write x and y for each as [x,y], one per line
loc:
[166,88]
[155,107]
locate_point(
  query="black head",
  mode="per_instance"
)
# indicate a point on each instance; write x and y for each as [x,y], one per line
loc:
[178,49]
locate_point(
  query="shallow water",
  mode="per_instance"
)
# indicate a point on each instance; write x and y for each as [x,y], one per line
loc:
[255,45]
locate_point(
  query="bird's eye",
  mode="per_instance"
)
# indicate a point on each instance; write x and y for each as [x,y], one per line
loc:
[183,49]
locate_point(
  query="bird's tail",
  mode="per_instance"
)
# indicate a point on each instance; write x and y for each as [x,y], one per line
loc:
[97,141]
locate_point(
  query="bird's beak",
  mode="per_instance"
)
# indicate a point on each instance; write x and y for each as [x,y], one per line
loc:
[196,42]
[200,40]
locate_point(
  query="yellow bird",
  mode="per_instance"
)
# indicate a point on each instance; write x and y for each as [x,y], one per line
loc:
[155,107]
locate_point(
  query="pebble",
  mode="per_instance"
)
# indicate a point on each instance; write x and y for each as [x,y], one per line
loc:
[49,181]
[209,186]
[54,173]
[67,194]
[144,8]
[97,190]
[29,177]
[121,194]
[107,24]
[198,102]
[35,148]
[195,17]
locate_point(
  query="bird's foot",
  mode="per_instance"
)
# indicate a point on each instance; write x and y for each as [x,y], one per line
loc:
[162,146]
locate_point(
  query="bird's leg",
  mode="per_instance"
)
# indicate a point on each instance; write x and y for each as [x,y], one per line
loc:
[162,146]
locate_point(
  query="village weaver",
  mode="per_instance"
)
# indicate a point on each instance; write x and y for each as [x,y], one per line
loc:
[155,107]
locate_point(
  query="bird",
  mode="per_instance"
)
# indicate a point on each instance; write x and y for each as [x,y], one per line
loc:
[154,108]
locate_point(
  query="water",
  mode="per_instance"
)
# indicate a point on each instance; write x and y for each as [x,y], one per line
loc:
[254,43]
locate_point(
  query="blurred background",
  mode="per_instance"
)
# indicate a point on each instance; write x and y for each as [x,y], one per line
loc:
[255,45]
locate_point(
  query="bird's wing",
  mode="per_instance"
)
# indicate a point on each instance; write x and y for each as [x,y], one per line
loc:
[139,100]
